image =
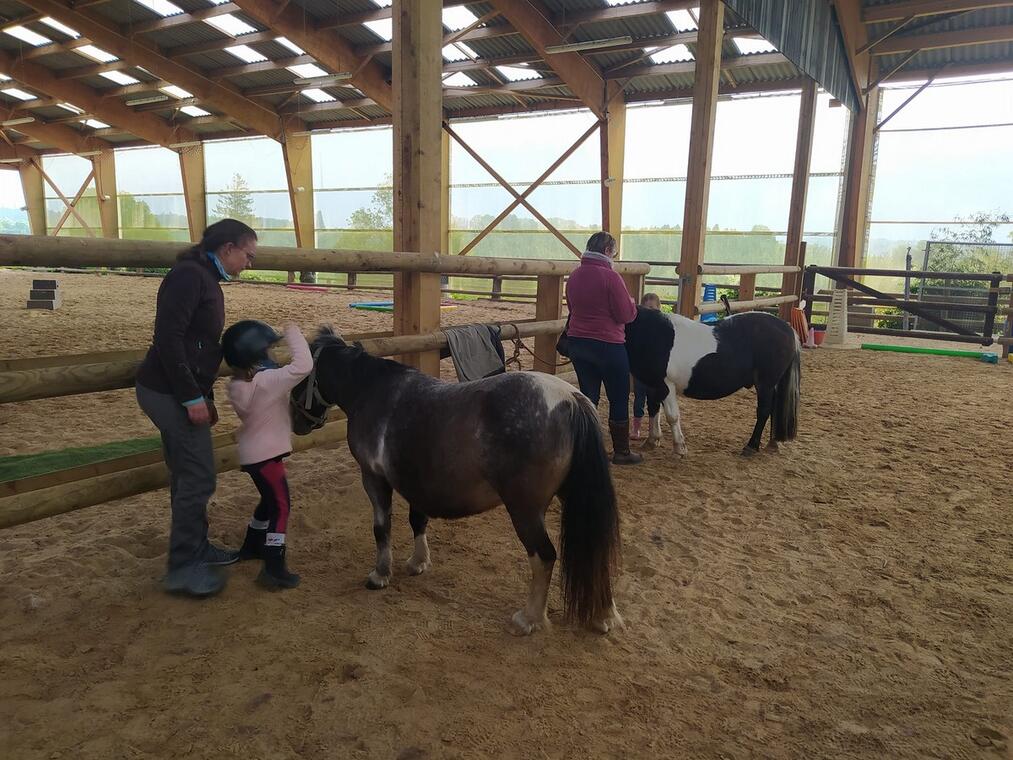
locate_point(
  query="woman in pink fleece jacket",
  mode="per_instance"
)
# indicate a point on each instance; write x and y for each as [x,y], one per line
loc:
[600,308]
[259,392]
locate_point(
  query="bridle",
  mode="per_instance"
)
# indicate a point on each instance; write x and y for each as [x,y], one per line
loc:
[310,394]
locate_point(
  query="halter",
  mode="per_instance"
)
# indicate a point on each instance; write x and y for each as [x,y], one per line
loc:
[311,394]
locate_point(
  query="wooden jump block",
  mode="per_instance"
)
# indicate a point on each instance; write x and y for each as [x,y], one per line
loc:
[43,295]
[47,304]
[45,284]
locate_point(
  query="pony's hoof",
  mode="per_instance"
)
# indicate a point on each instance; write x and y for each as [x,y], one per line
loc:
[613,621]
[521,626]
[417,568]
[375,581]
[681,450]
[749,451]
[650,445]
[772,446]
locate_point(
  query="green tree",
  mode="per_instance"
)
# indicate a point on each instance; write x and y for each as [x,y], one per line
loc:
[236,202]
[969,247]
[379,215]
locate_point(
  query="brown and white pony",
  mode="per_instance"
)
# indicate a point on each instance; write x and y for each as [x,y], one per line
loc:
[458,449]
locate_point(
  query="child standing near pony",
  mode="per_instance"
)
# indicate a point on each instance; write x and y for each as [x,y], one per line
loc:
[259,392]
[649,301]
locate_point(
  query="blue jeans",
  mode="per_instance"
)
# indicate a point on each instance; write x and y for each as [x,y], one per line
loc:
[639,398]
[598,362]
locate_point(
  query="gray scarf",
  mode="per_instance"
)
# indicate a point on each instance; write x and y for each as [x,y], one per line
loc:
[594,255]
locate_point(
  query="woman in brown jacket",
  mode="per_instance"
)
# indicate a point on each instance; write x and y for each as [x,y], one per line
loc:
[174,388]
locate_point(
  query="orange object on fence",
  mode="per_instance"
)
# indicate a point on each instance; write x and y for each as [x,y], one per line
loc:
[800,324]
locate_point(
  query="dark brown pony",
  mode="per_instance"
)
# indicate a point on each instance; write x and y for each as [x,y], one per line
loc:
[458,449]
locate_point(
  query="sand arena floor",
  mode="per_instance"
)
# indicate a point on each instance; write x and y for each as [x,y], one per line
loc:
[849,597]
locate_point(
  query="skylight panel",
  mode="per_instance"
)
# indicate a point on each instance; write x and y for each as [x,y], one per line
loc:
[15,92]
[27,35]
[682,20]
[290,45]
[119,77]
[176,92]
[749,45]
[96,54]
[452,54]
[194,111]
[52,23]
[71,107]
[95,124]
[458,17]
[307,71]
[384,28]
[518,73]
[460,79]
[673,54]
[4,78]
[231,25]
[383,3]
[220,2]
[246,54]
[318,96]
[162,7]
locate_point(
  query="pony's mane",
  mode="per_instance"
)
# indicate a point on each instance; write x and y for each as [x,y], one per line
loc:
[327,337]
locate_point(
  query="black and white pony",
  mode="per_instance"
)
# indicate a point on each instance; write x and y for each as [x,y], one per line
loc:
[458,449]
[671,354]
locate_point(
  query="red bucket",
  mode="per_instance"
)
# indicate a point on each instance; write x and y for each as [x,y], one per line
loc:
[818,336]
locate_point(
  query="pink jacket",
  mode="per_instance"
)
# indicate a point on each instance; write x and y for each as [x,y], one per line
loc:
[262,404]
[600,304]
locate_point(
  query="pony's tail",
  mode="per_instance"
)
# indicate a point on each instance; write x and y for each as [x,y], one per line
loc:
[589,536]
[786,399]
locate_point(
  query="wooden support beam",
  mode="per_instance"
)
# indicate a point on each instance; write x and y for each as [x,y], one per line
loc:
[418,116]
[35,196]
[857,174]
[298,155]
[104,167]
[615,145]
[375,14]
[180,19]
[900,10]
[483,33]
[145,126]
[59,136]
[799,192]
[191,166]
[983,35]
[621,12]
[701,146]
[141,52]
[688,67]
[445,215]
[548,306]
[330,49]
[856,36]
[583,78]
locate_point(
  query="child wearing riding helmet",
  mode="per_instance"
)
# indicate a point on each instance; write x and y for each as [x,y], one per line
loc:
[259,392]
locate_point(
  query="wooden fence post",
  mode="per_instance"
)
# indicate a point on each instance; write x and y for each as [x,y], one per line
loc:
[747,287]
[635,285]
[993,304]
[497,288]
[1008,332]
[548,306]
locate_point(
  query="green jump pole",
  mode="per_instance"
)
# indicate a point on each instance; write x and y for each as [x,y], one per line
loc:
[980,355]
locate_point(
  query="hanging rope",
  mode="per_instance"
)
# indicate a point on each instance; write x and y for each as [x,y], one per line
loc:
[519,346]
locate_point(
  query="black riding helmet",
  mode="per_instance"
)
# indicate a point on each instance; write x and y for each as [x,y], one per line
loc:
[245,344]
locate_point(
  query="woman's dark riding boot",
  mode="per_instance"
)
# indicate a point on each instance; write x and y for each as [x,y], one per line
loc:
[275,574]
[253,545]
[620,432]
